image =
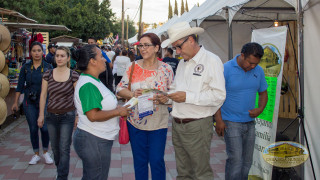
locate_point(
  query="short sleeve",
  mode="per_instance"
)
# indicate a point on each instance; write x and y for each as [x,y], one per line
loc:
[46,75]
[90,97]
[124,82]
[74,76]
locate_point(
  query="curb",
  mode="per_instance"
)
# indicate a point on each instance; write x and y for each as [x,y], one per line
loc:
[11,127]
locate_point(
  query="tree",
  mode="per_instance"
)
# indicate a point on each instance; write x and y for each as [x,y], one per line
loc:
[29,8]
[170,11]
[117,28]
[182,7]
[187,8]
[176,8]
[84,17]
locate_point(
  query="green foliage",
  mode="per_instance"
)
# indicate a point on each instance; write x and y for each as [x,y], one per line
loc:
[176,8]
[170,11]
[154,25]
[84,17]
[187,8]
[182,8]
[117,29]
[29,8]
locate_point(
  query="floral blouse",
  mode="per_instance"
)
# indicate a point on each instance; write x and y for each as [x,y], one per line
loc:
[159,79]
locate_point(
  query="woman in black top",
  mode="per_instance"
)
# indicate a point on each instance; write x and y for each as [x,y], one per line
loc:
[30,79]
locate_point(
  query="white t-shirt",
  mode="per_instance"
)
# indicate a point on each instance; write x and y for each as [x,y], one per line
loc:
[106,101]
[122,63]
[110,54]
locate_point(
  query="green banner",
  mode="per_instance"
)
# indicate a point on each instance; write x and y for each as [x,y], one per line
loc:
[268,111]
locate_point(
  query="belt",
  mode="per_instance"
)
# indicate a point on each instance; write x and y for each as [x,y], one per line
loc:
[184,121]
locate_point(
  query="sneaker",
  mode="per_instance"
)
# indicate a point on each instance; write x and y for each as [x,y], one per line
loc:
[34,160]
[47,158]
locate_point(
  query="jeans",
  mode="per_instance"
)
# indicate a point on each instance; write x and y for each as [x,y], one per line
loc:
[60,128]
[240,139]
[32,114]
[148,147]
[95,154]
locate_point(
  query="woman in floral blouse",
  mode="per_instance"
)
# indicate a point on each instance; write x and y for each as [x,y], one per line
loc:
[148,134]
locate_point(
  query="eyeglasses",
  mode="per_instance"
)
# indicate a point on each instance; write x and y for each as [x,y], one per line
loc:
[180,46]
[144,46]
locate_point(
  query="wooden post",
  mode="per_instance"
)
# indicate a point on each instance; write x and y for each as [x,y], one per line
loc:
[127,30]
[122,24]
[140,23]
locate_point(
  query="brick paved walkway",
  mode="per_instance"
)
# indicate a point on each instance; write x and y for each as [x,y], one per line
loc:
[16,151]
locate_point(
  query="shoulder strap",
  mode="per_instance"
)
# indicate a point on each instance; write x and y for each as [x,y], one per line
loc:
[131,72]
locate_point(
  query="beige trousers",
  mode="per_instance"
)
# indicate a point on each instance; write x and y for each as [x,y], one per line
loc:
[192,143]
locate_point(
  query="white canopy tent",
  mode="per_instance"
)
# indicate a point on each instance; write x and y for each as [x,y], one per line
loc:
[240,17]
[260,14]
[310,69]
[133,39]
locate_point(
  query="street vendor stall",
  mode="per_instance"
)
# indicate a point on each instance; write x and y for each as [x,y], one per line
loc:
[14,52]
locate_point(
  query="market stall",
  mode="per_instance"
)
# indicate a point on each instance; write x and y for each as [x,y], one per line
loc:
[14,52]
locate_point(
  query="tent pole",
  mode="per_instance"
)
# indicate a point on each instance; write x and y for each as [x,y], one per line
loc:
[301,72]
[303,139]
[230,41]
[230,47]
[301,56]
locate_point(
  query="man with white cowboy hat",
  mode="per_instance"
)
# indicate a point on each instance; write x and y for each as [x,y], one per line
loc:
[197,93]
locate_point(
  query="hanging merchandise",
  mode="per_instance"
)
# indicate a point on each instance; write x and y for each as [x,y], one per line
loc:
[36,37]
[3,111]
[5,70]
[4,86]
[7,50]
[5,38]
[2,61]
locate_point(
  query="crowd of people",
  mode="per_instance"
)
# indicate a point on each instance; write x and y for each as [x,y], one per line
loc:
[199,88]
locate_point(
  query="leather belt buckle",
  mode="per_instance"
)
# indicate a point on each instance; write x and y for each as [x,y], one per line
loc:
[184,121]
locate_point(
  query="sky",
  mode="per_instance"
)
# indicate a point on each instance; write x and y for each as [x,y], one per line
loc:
[154,11]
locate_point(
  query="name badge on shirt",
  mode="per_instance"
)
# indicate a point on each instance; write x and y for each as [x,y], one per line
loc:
[198,70]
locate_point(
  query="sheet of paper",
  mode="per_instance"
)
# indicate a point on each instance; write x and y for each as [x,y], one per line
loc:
[145,106]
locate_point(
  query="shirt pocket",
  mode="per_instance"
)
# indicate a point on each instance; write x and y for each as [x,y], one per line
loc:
[195,83]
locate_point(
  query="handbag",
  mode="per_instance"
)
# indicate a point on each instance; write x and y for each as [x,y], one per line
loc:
[124,134]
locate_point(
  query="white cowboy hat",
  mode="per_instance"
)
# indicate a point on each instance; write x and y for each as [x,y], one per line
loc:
[180,30]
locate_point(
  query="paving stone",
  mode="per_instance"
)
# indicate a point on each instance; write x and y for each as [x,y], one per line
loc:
[9,162]
[22,148]
[35,168]
[21,165]
[3,157]
[127,168]
[115,172]
[16,152]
